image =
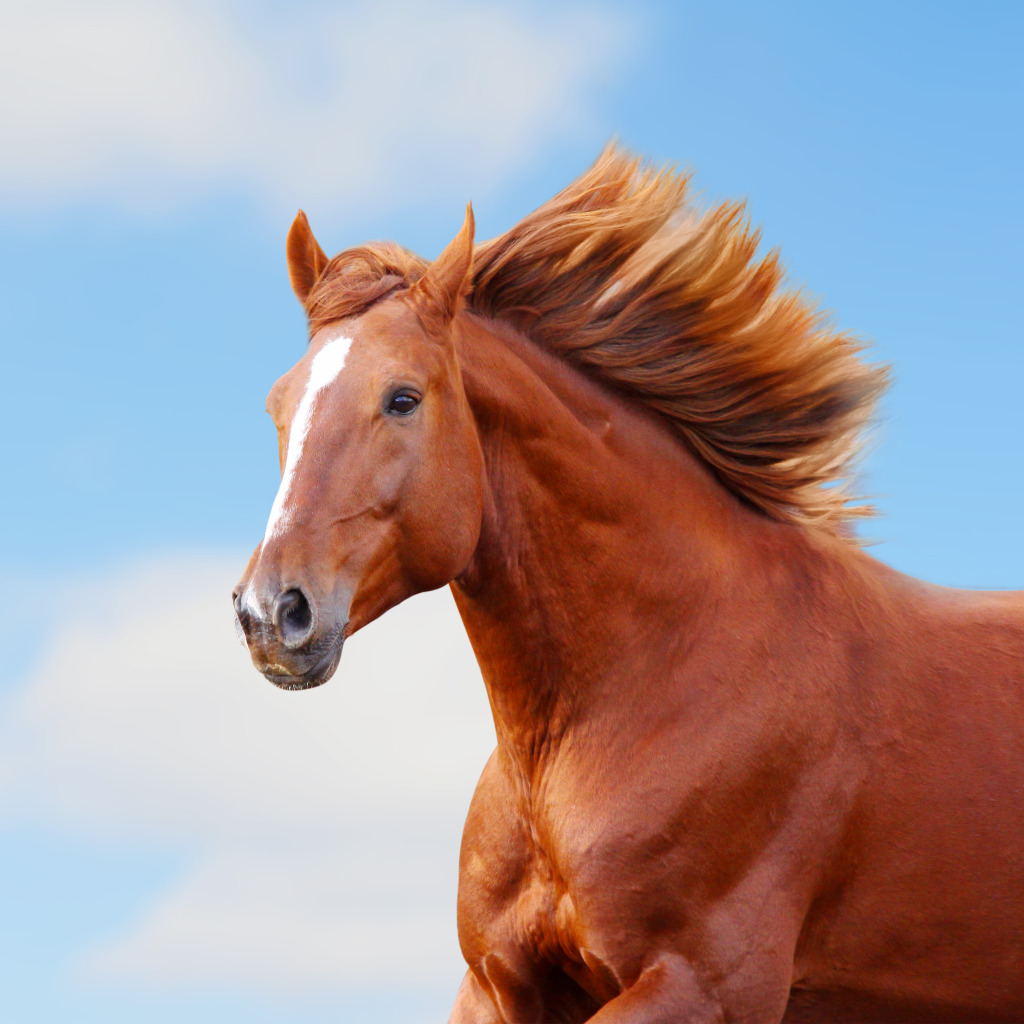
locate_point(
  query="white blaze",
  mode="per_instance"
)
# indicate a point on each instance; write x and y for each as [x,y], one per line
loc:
[327,365]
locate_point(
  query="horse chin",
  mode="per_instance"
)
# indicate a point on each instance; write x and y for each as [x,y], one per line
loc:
[317,675]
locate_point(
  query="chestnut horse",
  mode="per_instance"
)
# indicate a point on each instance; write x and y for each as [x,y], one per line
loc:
[744,771]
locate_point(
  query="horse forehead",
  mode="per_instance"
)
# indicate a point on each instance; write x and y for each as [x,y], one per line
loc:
[329,358]
[353,350]
[392,332]
[329,354]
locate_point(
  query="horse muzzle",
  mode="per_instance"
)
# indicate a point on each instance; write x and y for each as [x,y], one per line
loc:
[293,641]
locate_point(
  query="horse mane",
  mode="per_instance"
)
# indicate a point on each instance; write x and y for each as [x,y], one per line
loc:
[620,277]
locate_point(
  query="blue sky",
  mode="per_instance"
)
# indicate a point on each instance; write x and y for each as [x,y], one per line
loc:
[178,842]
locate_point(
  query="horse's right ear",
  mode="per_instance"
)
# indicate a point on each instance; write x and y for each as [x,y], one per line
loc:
[439,292]
[306,260]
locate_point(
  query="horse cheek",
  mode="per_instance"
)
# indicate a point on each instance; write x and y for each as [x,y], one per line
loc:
[442,526]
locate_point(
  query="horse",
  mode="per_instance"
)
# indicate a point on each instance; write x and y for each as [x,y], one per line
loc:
[744,770]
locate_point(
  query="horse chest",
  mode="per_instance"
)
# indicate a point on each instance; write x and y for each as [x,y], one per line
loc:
[524,925]
[537,940]
[516,899]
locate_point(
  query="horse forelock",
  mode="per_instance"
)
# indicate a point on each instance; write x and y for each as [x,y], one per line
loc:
[357,278]
[672,307]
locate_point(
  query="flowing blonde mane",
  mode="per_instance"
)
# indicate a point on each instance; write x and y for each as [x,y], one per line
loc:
[671,307]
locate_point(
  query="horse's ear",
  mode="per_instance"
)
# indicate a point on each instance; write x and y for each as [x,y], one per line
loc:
[306,260]
[439,292]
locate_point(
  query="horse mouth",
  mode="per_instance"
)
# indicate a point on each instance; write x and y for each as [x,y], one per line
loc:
[316,675]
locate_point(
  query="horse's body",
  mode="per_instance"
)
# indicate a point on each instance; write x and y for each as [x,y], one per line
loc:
[735,757]
[744,771]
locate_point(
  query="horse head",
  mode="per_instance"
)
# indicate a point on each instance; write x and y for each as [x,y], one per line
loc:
[381,467]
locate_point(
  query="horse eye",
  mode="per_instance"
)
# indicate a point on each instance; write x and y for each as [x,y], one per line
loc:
[402,403]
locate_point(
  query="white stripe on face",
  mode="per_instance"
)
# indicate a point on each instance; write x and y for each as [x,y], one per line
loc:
[327,366]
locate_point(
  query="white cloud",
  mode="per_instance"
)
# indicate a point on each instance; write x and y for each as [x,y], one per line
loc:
[317,919]
[314,821]
[150,101]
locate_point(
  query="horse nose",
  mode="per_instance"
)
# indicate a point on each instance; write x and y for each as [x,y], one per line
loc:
[293,617]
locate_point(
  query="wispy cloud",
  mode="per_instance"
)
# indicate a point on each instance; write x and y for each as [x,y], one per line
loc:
[148,103]
[310,920]
[314,821]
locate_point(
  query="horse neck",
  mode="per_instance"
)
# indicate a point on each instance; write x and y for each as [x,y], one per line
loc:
[604,544]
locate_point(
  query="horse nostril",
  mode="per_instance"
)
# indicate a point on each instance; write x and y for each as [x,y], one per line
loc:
[293,617]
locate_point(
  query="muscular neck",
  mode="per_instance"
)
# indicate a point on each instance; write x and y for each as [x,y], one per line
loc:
[602,538]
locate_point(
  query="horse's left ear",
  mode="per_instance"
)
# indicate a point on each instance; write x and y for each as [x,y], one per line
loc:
[306,260]
[439,292]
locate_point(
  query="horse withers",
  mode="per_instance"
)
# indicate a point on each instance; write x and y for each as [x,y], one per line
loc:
[744,771]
